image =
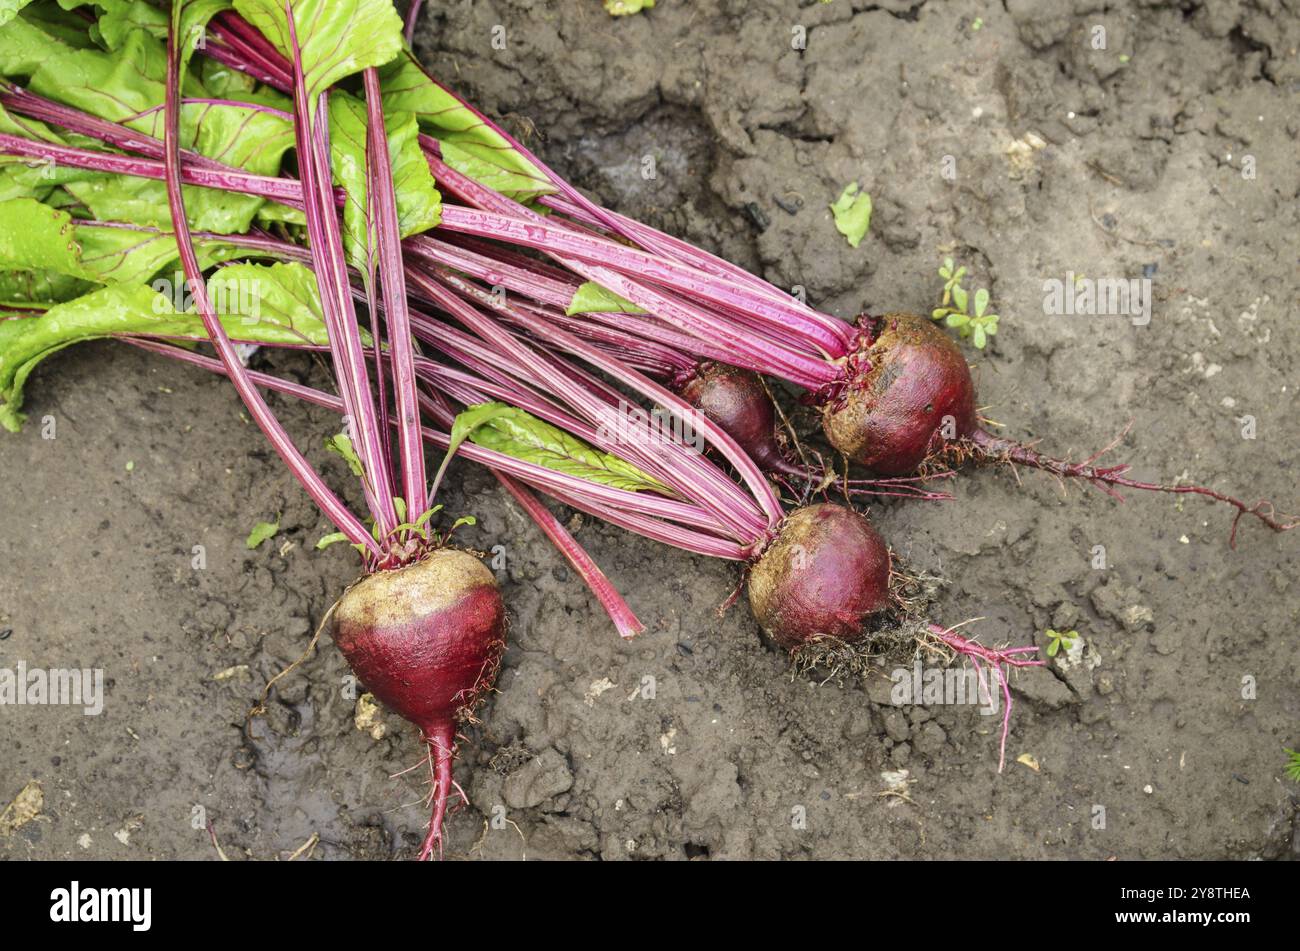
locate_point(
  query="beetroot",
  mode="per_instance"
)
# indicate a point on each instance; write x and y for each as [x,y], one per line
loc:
[823,576]
[891,416]
[737,401]
[912,406]
[426,639]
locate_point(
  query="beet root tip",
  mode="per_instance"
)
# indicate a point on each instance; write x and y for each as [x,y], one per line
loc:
[442,746]
[823,576]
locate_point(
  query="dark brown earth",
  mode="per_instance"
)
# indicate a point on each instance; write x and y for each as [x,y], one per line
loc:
[696,740]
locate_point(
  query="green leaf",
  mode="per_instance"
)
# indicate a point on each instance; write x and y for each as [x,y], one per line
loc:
[331,539]
[979,337]
[33,235]
[276,303]
[622,8]
[469,145]
[341,444]
[465,423]
[9,9]
[36,237]
[121,17]
[126,86]
[520,435]
[961,298]
[127,255]
[262,531]
[591,298]
[64,25]
[958,320]
[852,211]
[981,301]
[1292,767]
[112,85]
[192,26]
[131,309]
[39,287]
[238,135]
[24,46]
[337,37]
[419,206]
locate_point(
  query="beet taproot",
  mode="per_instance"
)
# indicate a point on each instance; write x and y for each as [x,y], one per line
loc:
[426,639]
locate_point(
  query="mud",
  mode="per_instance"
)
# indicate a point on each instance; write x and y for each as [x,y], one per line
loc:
[1170,154]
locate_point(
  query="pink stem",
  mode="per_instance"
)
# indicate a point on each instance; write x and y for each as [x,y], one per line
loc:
[388,234]
[412,18]
[328,502]
[625,621]
[588,496]
[312,134]
[733,504]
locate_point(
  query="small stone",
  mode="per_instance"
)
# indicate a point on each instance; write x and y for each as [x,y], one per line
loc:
[900,754]
[896,727]
[25,807]
[366,717]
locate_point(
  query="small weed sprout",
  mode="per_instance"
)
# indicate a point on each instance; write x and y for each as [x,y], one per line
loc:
[954,308]
[1292,768]
[1058,639]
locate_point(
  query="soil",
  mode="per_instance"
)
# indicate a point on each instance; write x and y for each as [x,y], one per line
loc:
[1168,154]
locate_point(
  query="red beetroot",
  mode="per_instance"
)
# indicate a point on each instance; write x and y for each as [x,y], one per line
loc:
[426,639]
[736,400]
[914,403]
[823,576]
[891,417]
